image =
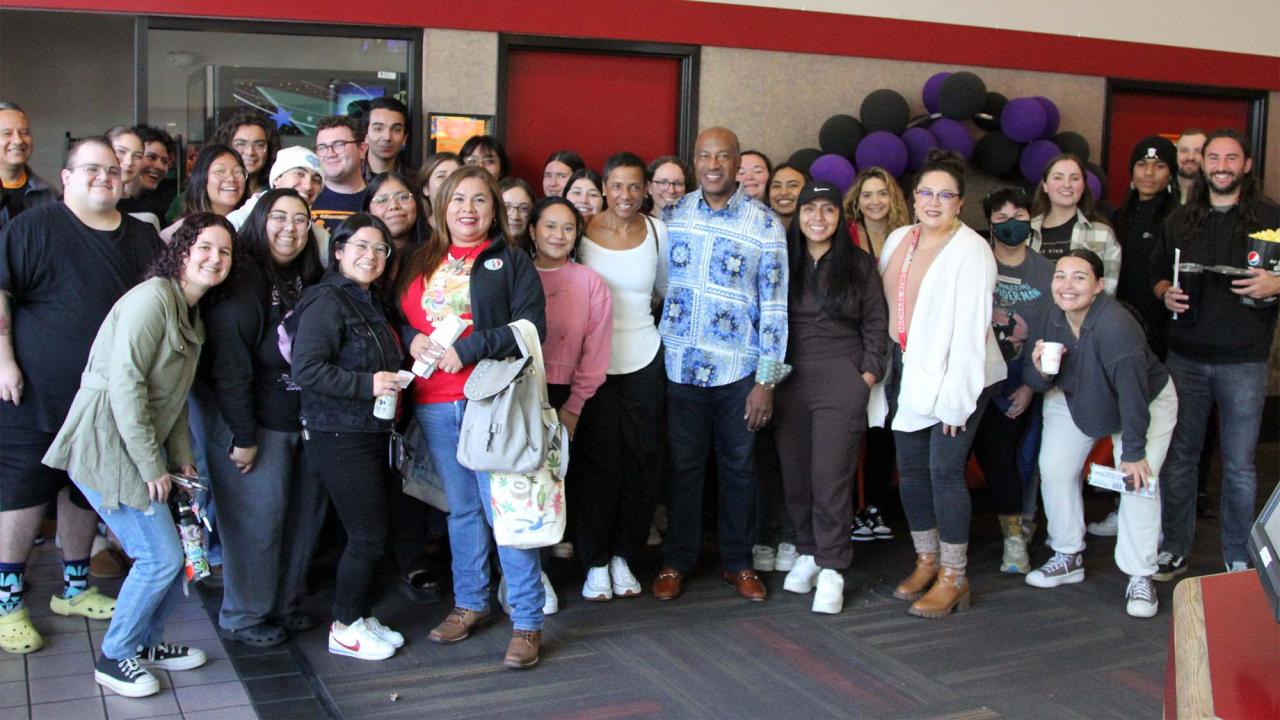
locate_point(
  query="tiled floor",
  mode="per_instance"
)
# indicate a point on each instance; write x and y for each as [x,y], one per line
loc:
[56,683]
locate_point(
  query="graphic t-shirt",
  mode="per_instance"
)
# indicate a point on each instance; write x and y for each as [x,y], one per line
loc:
[1056,241]
[332,207]
[1021,301]
[429,301]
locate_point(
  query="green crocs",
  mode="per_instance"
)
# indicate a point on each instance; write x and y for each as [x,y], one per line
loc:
[90,603]
[17,634]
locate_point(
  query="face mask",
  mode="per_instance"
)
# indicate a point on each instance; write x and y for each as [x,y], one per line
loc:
[1011,232]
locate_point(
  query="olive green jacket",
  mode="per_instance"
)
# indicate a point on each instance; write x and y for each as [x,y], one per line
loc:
[128,422]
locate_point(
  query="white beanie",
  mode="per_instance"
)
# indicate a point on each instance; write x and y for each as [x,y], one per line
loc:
[294,157]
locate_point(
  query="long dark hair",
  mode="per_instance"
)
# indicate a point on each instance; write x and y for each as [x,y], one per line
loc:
[846,270]
[1088,203]
[425,260]
[253,239]
[345,231]
[1186,221]
[197,197]
[421,229]
[490,143]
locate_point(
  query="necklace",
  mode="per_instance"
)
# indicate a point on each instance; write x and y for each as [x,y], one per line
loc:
[458,265]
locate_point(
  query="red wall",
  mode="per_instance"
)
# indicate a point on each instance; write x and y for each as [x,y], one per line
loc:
[700,23]
[556,100]
[1135,115]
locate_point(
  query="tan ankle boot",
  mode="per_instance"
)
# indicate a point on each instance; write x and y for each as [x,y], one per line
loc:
[949,592]
[918,581]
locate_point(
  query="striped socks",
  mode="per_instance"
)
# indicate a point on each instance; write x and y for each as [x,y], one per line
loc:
[11,586]
[75,577]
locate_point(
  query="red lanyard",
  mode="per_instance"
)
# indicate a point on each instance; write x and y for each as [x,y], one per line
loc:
[902,288]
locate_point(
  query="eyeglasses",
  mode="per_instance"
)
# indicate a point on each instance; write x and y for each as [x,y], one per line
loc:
[926,195]
[669,184]
[401,197]
[337,146]
[96,170]
[520,209]
[298,221]
[223,173]
[382,250]
[242,145]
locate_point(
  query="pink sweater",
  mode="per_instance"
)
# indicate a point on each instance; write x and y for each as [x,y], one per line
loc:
[579,331]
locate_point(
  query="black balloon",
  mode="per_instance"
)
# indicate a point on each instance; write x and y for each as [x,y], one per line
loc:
[840,135]
[802,159]
[1074,143]
[885,110]
[993,106]
[996,154]
[962,96]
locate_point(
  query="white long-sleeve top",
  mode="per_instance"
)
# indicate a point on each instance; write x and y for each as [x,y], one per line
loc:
[952,353]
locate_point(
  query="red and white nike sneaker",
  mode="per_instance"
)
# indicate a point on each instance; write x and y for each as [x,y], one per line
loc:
[358,640]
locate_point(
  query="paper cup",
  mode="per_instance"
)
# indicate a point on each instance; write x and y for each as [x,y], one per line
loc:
[1051,358]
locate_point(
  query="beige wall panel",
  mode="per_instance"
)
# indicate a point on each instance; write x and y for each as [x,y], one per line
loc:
[460,72]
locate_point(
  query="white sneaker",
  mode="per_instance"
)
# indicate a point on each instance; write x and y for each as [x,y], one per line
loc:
[762,558]
[786,557]
[551,605]
[829,598]
[392,637]
[802,576]
[1237,566]
[1109,527]
[625,583]
[1141,596]
[358,640]
[597,588]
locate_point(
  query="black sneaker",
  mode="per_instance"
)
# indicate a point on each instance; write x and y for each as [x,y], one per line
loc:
[861,531]
[125,677]
[879,528]
[1169,566]
[168,656]
[421,587]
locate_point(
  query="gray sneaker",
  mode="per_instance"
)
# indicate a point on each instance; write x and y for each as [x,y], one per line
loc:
[1141,597]
[1062,568]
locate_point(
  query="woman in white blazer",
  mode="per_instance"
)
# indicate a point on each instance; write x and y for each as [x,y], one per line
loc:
[938,278]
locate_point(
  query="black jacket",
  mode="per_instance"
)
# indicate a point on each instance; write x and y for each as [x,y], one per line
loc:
[504,288]
[1109,374]
[343,339]
[242,362]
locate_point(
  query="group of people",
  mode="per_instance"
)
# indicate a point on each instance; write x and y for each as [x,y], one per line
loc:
[253,328]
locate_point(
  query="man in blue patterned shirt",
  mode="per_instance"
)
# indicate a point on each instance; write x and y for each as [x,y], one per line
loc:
[724,327]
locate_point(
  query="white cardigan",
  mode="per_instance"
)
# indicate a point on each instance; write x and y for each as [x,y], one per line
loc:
[952,353]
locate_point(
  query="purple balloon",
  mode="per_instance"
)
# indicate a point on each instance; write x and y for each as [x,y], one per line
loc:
[1095,185]
[932,87]
[919,142]
[1035,157]
[953,135]
[1051,117]
[883,149]
[1024,119]
[835,169]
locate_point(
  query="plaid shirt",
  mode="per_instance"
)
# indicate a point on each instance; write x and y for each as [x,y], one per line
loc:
[1098,237]
[725,314]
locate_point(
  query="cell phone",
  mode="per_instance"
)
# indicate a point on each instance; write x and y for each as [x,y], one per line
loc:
[188,482]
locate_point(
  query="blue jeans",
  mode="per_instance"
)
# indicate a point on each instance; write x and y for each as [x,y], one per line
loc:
[702,419]
[154,584]
[471,525]
[1239,389]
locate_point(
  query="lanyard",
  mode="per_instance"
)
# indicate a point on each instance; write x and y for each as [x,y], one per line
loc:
[902,288]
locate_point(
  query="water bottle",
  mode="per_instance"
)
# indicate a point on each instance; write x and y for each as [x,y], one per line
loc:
[384,407]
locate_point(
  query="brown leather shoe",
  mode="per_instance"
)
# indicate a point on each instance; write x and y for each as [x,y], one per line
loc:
[458,626]
[951,591]
[919,579]
[667,585]
[748,584]
[522,651]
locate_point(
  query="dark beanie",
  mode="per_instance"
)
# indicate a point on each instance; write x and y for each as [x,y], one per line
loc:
[1156,147]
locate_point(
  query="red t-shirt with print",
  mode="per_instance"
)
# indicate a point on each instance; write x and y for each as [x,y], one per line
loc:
[428,301]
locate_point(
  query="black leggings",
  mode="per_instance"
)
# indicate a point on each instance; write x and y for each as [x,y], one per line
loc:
[352,467]
[996,447]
